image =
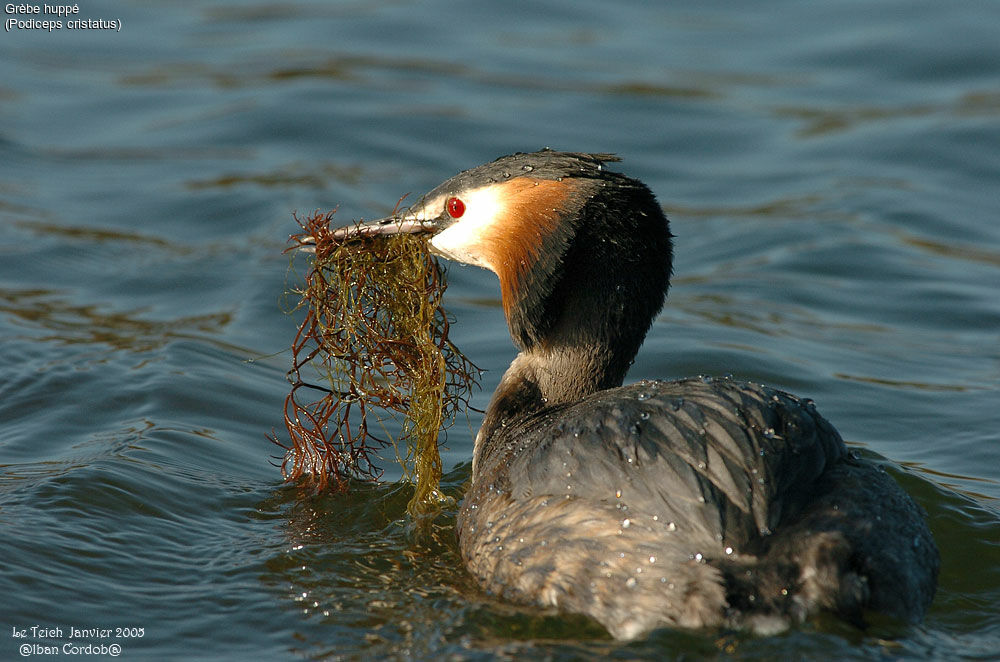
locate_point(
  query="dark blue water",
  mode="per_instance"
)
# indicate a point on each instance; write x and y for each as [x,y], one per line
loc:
[831,172]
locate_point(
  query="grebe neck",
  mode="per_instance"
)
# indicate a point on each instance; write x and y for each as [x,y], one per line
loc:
[580,329]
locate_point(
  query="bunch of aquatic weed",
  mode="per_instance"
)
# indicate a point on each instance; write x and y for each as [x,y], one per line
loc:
[373,346]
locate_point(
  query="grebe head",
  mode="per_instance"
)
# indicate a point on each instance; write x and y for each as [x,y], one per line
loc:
[583,254]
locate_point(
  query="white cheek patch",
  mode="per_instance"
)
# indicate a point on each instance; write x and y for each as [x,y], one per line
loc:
[465,239]
[428,211]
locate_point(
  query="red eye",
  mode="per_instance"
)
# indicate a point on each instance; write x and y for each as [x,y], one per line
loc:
[455,207]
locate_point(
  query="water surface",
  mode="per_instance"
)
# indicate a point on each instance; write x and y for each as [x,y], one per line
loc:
[830,173]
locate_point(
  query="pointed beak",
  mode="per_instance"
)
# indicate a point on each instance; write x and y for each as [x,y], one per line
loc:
[384,226]
[379,228]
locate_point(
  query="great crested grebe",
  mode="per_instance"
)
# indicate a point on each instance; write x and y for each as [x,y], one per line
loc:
[691,503]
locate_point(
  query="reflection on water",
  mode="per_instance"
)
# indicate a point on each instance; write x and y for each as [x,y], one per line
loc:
[100,235]
[953,250]
[898,383]
[352,563]
[822,121]
[70,323]
[312,175]
[368,71]
[783,208]
[766,318]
